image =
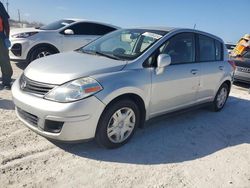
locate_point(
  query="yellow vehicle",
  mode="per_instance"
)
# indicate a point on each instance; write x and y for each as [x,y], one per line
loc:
[242,46]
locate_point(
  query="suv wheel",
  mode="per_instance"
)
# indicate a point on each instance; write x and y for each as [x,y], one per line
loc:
[118,124]
[221,97]
[41,52]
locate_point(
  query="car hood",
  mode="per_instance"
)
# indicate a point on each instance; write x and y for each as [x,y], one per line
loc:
[23,30]
[60,68]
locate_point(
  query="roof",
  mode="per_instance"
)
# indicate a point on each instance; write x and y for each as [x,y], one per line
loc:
[91,21]
[173,29]
[157,28]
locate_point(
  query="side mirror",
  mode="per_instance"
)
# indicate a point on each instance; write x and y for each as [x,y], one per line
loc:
[163,61]
[69,32]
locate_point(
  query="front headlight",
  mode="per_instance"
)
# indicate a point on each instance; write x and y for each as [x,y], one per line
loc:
[74,90]
[24,35]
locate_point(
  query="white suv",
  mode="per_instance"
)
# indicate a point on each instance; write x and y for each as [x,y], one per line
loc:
[63,35]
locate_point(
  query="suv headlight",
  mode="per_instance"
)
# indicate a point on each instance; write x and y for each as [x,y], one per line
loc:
[24,35]
[74,90]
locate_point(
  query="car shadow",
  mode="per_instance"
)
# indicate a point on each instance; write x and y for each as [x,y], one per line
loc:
[6,104]
[173,139]
[242,85]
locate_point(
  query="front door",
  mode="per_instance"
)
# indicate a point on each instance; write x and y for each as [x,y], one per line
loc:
[177,86]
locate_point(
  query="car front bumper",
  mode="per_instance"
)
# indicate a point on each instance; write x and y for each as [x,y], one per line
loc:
[78,119]
[19,49]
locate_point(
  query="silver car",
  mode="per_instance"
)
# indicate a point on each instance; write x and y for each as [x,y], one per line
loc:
[64,35]
[108,88]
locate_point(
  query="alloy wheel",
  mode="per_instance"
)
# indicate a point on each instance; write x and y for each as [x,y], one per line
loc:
[121,125]
[43,54]
[222,97]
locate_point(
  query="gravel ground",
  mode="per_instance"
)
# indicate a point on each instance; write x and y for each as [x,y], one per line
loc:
[198,148]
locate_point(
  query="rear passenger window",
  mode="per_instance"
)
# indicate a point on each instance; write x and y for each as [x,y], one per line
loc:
[91,29]
[207,48]
[218,51]
[102,29]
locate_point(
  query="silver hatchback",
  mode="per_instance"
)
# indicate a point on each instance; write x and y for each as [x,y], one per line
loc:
[108,88]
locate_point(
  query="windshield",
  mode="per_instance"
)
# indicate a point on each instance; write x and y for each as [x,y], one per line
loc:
[125,44]
[57,25]
[247,55]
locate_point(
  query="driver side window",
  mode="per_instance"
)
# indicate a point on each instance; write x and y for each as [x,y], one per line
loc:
[180,47]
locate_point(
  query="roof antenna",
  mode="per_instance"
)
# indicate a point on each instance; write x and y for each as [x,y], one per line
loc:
[194,26]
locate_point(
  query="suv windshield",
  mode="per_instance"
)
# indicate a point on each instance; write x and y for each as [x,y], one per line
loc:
[57,25]
[230,46]
[125,44]
[247,55]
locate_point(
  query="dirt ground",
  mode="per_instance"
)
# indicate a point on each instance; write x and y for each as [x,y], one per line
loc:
[199,148]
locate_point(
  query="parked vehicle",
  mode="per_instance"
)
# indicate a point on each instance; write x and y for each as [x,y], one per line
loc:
[242,72]
[107,89]
[230,47]
[63,35]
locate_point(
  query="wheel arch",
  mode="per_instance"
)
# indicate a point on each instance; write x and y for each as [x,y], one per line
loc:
[133,97]
[51,46]
[226,81]
[228,84]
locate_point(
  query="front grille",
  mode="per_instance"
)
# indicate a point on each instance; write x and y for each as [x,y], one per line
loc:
[34,87]
[30,118]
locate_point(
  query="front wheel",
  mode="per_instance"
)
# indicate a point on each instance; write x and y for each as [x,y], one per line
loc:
[118,124]
[221,97]
[41,52]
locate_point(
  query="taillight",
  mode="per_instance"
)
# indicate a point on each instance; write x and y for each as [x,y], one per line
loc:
[232,63]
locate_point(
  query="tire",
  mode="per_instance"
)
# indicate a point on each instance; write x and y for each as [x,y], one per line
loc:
[221,98]
[112,122]
[40,52]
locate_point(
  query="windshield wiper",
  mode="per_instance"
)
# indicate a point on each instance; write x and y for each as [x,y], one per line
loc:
[100,54]
[107,55]
[86,52]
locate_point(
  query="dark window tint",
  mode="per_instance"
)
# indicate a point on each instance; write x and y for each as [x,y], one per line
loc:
[207,48]
[91,29]
[181,48]
[247,55]
[230,46]
[218,50]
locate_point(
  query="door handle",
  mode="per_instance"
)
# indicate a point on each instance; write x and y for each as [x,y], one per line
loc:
[221,67]
[194,71]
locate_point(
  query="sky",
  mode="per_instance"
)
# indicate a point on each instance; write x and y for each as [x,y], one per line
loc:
[228,19]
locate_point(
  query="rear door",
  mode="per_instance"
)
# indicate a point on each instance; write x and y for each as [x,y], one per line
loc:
[84,33]
[177,86]
[210,57]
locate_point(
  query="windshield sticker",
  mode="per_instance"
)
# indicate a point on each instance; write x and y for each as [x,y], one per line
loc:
[152,35]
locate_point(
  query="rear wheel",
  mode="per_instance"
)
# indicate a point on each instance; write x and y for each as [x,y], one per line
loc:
[118,124]
[221,97]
